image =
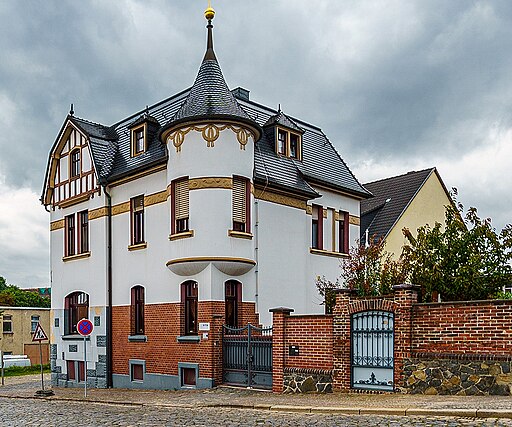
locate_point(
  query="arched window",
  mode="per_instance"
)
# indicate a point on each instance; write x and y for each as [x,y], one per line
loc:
[189,307]
[233,298]
[76,307]
[137,310]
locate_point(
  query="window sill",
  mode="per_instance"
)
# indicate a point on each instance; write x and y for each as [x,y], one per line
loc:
[328,253]
[137,338]
[240,234]
[74,337]
[77,256]
[183,235]
[189,339]
[8,333]
[138,246]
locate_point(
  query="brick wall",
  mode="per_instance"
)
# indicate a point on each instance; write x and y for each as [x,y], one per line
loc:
[314,338]
[311,334]
[162,326]
[476,327]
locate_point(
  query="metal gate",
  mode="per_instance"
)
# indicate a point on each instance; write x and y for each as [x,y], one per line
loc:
[372,350]
[247,356]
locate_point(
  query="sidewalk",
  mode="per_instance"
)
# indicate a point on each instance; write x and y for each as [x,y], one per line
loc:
[385,404]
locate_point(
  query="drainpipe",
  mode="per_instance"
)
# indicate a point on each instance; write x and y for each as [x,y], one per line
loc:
[256,250]
[109,288]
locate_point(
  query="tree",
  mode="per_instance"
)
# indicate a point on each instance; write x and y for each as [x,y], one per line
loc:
[466,259]
[13,296]
[369,270]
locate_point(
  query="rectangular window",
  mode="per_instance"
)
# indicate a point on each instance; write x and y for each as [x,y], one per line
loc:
[294,145]
[138,142]
[241,204]
[84,232]
[282,142]
[137,208]
[75,163]
[317,237]
[188,377]
[69,247]
[137,313]
[137,372]
[233,296]
[189,300]
[7,324]
[343,236]
[71,370]
[180,206]
[81,370]
[34,320]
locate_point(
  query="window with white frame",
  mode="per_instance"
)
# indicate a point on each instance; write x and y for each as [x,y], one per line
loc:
[34,321]
[7,324]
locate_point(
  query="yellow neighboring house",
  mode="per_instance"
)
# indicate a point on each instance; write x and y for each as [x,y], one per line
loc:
[18,326]
[411,200]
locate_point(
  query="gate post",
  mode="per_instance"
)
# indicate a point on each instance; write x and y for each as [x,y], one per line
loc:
[405,296]
[341,338]
[216,337]
[279,315]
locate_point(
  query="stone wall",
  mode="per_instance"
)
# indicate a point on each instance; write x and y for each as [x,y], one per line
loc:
[307,380]
[457,375]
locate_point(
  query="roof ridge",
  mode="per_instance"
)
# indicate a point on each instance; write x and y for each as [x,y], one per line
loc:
[400,176]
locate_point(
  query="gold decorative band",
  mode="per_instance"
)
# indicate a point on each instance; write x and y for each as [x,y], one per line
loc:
[210,133]
[56,225]
[98,213]
[281,199]
[354,220]
[210,182]
[154,199]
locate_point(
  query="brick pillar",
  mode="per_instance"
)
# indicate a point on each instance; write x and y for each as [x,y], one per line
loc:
[216,338]
[278,351]
[405,296]
[341,335]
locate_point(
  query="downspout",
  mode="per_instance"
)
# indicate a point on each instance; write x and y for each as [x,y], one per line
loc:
[256,250]
[109,288]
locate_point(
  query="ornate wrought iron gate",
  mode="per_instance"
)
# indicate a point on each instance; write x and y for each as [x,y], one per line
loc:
[247,356]
[372,350]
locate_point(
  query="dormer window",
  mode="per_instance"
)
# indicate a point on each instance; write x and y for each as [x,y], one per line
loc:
[138,141]
[288,143]
[74,165]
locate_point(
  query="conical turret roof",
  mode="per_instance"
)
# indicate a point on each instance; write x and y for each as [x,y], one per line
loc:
[210,97]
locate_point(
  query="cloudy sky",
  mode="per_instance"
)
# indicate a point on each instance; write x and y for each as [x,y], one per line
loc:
[396,86]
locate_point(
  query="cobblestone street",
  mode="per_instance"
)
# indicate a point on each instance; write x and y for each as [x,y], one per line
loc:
[239,407]
[33,412]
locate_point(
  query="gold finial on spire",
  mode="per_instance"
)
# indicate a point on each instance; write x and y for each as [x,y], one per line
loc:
[209,13]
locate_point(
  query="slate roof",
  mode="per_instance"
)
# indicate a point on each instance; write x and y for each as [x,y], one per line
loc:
[210,98]
[391,197]
[282,119]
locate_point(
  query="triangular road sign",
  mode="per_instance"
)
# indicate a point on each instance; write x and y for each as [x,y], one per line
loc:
[39,334]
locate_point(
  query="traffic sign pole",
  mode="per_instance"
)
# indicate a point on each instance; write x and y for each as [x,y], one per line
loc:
[41,362]
[85,365]
[84,328]
[40,335]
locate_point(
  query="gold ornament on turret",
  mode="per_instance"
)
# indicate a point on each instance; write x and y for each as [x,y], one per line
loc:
[209,13]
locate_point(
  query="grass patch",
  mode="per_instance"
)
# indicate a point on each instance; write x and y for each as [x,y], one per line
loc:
[15,371]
